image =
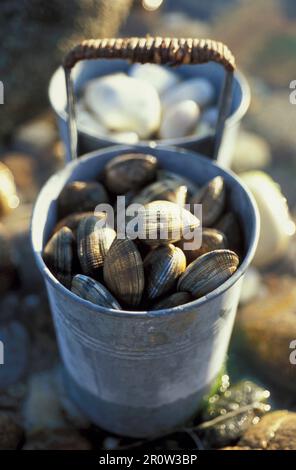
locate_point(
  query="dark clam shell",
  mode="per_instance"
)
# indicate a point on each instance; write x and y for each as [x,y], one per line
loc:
[174,300]
[93,291]
[93,243]
[124,272]
[208,272]
[81,196]
[163,266]
[163,190]
[212,239]
[129,172]
[212,197]
[58,255]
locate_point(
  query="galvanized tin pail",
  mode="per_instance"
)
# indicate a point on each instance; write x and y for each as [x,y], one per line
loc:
[87,70]
[140,373]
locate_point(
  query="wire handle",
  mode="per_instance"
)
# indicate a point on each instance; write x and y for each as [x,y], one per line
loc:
[169,51]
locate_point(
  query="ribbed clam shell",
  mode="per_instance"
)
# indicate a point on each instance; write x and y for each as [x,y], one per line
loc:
[58,255]
[93,243]
[173,300]
[208,272]
[192,188]
[212,239]
[229,225]
[163,267]
[124,272]
[212,197]
[72,220]
[93,291]
[164,190]
[81,196]
[130,171]
[164,222]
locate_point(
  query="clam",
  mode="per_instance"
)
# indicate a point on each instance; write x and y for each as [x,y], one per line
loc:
[93,243]
[208,272]
[80,196]
[130,171]
[58,255]
[124,272]
[212,197]
[182,180]
[173,300]
[163,266]
[164,222]
[229,225]
[164,190]
[93,291]
[72,220]
[211,240]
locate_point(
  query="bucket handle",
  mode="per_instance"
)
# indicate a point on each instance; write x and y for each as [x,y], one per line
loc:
[170,51]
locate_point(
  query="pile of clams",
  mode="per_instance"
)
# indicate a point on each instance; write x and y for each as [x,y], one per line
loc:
[151,268]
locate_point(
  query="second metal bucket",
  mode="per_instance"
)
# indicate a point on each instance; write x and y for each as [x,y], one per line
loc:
[87,70]
[140,373]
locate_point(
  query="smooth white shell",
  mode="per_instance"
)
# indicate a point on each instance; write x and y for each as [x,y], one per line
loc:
[87,122]
[179,120]
[159,77]
[124,104]
[199,90]
[276,224]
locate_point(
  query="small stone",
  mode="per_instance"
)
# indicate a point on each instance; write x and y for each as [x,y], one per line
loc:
[199,90]
[179,119]
[124,104]
[252,286]
[275,431]
[267,328]
[23,168]
[276,225]
[88,122]
[11,432]
[158,76]
[14,344]
[58,439]
[251,152]
[42,410]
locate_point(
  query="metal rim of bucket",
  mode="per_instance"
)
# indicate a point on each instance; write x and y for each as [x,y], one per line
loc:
[232,118]
[150,313]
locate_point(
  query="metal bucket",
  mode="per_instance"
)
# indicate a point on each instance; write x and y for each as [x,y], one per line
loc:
[86,71]
[140,373]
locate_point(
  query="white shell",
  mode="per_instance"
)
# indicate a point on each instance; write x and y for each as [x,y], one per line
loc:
[203,129]
[159,77]
[276,225]
[124,137]
[210,116]
[87,122]
[124,104]
[199,90]
[179,120]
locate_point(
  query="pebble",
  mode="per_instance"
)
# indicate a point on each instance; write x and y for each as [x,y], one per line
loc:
[58,439]
[15,341]
[267,327]
[124,103]
[276,225]
[275,431]
[199,90]
[251,152]
[87,122]
[158,76]
[179,119]
[11,433]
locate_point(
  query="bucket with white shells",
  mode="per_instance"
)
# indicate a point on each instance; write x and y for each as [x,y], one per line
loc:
[149,104]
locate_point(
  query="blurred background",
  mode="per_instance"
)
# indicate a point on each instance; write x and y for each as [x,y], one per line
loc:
[34,37]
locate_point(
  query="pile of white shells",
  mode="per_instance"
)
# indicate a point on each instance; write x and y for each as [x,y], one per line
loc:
[151,102]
